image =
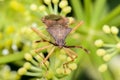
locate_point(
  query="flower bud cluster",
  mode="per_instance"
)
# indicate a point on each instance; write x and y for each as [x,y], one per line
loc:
[7,74]
[52,9]
[108,50]
[54,67]
[108,30]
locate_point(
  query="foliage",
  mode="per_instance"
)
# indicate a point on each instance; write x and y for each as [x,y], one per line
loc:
[99,34]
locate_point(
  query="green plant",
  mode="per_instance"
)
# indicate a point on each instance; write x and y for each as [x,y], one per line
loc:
[17,16]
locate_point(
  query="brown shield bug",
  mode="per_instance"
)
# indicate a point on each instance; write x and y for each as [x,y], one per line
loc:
[58,28]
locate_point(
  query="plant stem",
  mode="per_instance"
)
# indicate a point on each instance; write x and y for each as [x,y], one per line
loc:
[11,57]
[88,10]
[34,74]
[98,8]
[77,9]
[55,8]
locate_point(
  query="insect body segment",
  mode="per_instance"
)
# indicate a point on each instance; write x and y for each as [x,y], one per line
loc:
[58,28]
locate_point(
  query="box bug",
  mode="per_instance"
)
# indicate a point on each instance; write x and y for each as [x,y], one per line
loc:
[58,28]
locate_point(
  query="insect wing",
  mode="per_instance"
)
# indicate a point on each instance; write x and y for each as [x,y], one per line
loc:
[59,33]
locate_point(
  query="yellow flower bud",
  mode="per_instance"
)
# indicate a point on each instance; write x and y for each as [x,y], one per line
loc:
[42,8]
[33,7]
[28,57]
[99,43]
[47,2]
[101,52]
[118,45]
[69,59]
[106,29]
[55,1]
[67,9]
[59,70]
[103,68]
[27,65]
[107,57]
[72,66]
[71,20]
[114,30]
[63,3]
[22,71]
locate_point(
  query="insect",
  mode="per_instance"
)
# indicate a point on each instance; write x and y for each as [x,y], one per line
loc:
[58,28]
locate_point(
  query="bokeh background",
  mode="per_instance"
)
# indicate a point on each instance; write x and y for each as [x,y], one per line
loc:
[16,36]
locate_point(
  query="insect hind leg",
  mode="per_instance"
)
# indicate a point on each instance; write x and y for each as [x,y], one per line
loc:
[72,55]
[86,50]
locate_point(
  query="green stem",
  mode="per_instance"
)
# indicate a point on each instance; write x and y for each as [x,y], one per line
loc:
[114,53]
[55,8]
[97,61]
[116,38]
[35,69]
[50,8]
[110,50]
[98,9]
[77,9]
[11,57]
[109,45]
[88,8]
[33,74]
[34,62]
[109,17]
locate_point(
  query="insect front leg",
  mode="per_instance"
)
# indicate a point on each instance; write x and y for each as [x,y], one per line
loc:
[39,33]
[76,27]
[46,41]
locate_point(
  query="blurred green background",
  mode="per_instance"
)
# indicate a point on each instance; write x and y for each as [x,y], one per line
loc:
[16,37]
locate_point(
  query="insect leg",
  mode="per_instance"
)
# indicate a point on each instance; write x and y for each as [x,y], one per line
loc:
[71,54]
[39,49]
[76,27]
[39,33]
[49,54]
[46,41]
[86,50]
